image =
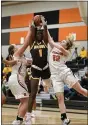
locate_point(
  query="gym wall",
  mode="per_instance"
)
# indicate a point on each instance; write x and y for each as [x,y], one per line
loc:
[61,22]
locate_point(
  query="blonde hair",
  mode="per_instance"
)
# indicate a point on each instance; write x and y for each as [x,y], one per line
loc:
[70,41]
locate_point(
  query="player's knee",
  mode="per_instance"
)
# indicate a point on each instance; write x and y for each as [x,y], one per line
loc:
[60,96]
[24,100]
[3,99]
[33,95]
[81,91]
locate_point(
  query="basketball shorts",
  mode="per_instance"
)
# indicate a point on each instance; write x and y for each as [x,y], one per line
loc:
[44,74]
[61,78]
[17,86]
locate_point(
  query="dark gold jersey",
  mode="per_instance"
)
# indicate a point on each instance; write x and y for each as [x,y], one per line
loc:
[39,54]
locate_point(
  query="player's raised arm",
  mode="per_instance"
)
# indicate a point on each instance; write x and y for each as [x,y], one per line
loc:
[44,24]
[58,46]
[28,39]
[12,62]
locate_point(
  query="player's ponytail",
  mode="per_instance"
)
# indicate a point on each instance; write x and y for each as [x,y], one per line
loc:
[11,50]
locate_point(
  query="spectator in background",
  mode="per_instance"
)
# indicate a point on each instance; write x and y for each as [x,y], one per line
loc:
[83,53]
[7,69]
[70,94]
[76,52]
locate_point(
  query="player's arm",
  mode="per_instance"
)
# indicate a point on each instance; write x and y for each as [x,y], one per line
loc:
[53,44]
[12,62]
[29,61]
[45,35]
[28,40]
[64,51]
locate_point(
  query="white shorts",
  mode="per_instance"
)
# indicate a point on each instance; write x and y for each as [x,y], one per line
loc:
[17,86]
[61,78]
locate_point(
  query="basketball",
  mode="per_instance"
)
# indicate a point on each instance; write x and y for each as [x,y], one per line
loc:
[37,20]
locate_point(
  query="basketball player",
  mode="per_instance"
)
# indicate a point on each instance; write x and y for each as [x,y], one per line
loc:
[27,81]
[61,74]
[16,81]
[40,68]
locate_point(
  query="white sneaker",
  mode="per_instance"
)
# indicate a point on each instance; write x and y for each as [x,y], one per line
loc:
[66,122]
[17,122]
[28,119]
[33,114]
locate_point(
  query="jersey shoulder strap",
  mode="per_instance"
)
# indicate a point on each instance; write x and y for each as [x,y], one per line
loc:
[32,45]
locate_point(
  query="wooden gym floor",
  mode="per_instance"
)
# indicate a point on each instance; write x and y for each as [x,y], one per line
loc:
[45,116]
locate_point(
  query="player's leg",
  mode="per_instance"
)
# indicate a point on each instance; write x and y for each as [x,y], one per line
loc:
[3,98]
[34,109]
[20,91]
[72,82]
[80,89]
[58,86]
[28,83]
[46,79]
[62,107]
[32,96]
[22,109]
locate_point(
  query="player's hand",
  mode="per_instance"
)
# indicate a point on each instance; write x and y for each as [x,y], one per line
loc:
[43,20]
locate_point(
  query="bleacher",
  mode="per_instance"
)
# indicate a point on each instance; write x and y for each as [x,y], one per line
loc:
[44,100]
[77,64]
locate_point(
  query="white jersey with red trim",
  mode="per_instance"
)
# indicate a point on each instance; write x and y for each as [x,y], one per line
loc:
[57,60]
[20,67]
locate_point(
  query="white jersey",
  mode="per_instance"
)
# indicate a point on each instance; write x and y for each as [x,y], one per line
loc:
[20,67]
[60,73]
[57,60]
[17,79]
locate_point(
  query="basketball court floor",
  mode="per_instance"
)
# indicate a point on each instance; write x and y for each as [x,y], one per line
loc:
[45,116]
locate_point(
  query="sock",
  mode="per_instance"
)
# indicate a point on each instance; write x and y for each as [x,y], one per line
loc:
[63,116]
[28,114]
[19,118]
[33,111]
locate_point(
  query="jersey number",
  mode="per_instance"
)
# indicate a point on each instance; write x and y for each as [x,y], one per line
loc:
[56,58]
[40,52]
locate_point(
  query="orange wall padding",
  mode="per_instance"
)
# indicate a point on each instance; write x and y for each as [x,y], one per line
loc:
[15,37]
[81,32]
[69,15]
[21,20]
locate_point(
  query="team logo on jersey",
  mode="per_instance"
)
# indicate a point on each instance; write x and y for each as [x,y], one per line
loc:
[39,46]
